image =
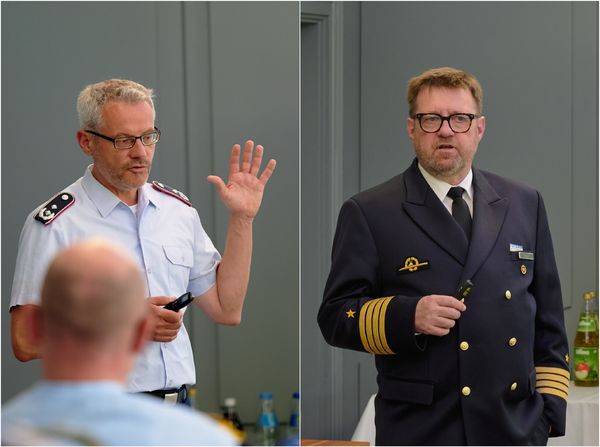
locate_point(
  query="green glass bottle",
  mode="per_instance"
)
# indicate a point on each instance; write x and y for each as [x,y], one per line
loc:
[585,363]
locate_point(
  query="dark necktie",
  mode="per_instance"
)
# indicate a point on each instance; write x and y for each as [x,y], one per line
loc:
[460,209]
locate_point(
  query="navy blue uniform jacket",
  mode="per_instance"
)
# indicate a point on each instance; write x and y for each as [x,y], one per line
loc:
[502,371]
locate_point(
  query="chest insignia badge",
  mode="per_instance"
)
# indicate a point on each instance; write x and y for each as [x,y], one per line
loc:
[412,264]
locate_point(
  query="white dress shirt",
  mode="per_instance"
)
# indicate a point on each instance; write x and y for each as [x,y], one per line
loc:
[441,188]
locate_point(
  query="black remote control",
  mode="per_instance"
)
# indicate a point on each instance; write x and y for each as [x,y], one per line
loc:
[180,302]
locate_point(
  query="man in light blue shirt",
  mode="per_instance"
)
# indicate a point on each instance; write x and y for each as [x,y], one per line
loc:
[92,322]
[154,222]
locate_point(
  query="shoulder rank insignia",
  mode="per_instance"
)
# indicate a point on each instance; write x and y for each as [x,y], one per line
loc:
[172,192]
[54,208]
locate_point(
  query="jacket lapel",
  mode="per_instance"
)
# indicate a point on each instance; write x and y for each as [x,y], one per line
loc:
[488,217]
[428,213]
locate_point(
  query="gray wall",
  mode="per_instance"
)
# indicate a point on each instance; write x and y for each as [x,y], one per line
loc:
[537,62]
[222,72]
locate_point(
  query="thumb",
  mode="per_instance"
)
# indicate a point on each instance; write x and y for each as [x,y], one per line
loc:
[217,181]
[160,300]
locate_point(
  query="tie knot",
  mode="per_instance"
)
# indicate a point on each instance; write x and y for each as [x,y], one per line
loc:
[456,192]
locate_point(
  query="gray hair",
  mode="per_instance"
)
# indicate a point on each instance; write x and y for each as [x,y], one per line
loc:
[92,99]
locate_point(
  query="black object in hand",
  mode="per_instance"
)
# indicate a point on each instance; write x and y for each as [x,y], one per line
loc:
[464,290]
[180,302]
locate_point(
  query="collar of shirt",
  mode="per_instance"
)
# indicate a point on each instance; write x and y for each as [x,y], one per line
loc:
[441,188]
[106,201]
[81,384]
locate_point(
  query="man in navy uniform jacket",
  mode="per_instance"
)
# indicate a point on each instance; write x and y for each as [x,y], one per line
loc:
[490,367]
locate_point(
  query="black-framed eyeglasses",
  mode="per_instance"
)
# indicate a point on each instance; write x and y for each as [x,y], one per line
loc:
[458,122]
[148,139]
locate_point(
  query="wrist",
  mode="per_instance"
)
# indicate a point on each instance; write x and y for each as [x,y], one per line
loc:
[241,218]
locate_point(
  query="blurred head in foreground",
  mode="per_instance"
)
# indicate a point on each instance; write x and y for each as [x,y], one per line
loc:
[93,315]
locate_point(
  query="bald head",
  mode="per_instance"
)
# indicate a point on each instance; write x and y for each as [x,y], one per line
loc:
[94,292]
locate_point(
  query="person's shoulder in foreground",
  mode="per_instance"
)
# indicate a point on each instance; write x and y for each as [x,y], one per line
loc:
[102,413]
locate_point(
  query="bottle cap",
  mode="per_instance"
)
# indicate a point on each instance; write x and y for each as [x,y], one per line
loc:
[230,402]
[265,395]
[296,395]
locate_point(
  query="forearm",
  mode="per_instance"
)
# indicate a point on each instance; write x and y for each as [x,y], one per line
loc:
[233,273]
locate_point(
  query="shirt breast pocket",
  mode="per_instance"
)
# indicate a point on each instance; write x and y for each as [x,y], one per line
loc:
[180,260]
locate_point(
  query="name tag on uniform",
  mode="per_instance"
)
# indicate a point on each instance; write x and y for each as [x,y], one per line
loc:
[526,255]
[515,247]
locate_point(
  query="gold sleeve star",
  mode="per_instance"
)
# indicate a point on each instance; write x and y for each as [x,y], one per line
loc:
[350,313]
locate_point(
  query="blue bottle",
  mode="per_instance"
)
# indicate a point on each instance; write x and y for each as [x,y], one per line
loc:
[267,422]
[293,432]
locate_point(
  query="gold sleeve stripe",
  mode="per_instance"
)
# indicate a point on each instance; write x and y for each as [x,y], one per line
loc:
[371,324]
[384,342]
[376,319]
[551,370]
[552,384]
[554,377]
[379,326]
[370,333]
[366,317]
[362,325]
[552,391]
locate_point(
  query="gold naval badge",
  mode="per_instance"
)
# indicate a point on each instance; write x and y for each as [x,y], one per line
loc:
[412,264]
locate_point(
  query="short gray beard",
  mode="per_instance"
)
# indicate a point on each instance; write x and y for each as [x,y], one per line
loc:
[443,172]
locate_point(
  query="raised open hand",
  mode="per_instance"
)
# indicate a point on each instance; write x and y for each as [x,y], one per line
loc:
[243,192]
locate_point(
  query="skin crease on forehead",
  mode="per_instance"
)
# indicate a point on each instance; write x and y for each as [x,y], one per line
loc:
[123,171]
[445,154]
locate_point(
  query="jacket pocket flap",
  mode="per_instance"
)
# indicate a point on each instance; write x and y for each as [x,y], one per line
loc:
[413,392]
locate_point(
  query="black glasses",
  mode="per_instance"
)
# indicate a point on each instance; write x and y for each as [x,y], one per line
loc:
[458,122]
[148,139]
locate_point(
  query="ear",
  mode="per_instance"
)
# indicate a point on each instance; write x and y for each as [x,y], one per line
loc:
[410,127]
[85,142]
[142,333]
[480,127]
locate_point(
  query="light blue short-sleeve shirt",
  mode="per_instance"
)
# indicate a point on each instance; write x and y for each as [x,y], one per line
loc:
[102,413]
[163,234]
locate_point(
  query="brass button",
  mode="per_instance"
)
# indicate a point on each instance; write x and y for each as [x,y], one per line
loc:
[464,345]
[466,391]
[513,386]
[512,341]
[523,269]
[508,295]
